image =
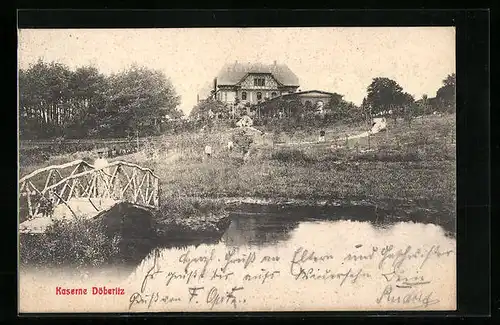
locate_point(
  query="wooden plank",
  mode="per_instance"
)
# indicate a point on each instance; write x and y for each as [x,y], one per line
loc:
[157,193]
[105,182]
[71,189]
[129,181]
[140,187]
[147,188]
[108,166]
[48,179]
[54,167]
[30,211]
[87,189]
[137,189]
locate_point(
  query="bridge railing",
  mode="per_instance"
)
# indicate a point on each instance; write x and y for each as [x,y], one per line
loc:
[120,181]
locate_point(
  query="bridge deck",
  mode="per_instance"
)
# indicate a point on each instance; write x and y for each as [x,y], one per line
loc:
[82,208]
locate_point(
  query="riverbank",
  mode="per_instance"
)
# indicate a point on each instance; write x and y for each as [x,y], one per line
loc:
[404,174]
[123,235]
[409,163]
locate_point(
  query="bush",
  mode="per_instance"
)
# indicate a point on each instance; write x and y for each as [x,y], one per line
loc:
[243,141]
[183,220]
[290,155]
[78,244]
[388,156]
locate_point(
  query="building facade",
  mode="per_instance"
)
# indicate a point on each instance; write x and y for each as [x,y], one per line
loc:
[242,84]
[311,100]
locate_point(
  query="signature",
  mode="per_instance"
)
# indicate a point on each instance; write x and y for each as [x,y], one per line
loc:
[416,297]
[216,298]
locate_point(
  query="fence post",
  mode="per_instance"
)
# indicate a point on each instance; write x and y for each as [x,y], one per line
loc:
[369,136]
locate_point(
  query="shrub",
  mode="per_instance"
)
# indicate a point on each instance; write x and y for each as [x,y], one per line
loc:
[80,243]
[290,155]
[182,220]
[243,141]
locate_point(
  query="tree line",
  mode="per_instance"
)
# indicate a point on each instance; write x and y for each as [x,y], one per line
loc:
[55,101]
[384,97]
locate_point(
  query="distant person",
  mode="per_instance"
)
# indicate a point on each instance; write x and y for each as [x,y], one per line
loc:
[208,151]
[230,145]
[99,163]
[321,136]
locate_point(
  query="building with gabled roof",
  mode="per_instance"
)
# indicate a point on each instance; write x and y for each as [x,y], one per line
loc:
[252,83]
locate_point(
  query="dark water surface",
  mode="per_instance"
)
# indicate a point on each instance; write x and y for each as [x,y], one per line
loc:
[261,226]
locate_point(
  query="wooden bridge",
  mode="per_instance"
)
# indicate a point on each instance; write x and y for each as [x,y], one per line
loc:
[77,184]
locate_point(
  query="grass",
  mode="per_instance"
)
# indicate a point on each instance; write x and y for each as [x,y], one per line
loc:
[408,166]
[79,244]
[408,163]
[123,235]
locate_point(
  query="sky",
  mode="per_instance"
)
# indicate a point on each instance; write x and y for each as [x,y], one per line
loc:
[342,60]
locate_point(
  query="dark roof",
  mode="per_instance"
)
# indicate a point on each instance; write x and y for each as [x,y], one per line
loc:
[313,91]
[307,92]
[231,74]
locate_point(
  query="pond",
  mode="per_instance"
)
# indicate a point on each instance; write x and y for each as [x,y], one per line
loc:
[266,243]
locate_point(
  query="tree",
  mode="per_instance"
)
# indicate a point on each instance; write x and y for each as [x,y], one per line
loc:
[446,95]
[243,141]
[43,98]
[87,88]
[137,99]
[55,101]
[210,108]
[386,95]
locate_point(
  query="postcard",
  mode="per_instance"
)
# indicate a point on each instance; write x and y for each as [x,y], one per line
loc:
[237,169]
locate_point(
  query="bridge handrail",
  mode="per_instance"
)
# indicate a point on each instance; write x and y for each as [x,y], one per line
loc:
[98,169]
[51,167]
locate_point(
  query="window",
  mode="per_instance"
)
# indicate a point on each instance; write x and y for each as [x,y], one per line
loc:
[260,82]
[244,95]
[259,95]
[273,94]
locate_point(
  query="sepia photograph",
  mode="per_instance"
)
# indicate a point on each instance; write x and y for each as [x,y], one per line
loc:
[237,169]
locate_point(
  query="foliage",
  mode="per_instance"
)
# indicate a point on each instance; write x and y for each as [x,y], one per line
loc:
[446,95]
[384,94]
[137,100]
[56,101]
[89,245]
[208,109]
[243,140]
[290,155]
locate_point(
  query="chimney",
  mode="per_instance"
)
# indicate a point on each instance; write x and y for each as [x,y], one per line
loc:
[274,62]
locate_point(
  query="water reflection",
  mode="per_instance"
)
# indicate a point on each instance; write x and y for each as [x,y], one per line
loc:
[261,230]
